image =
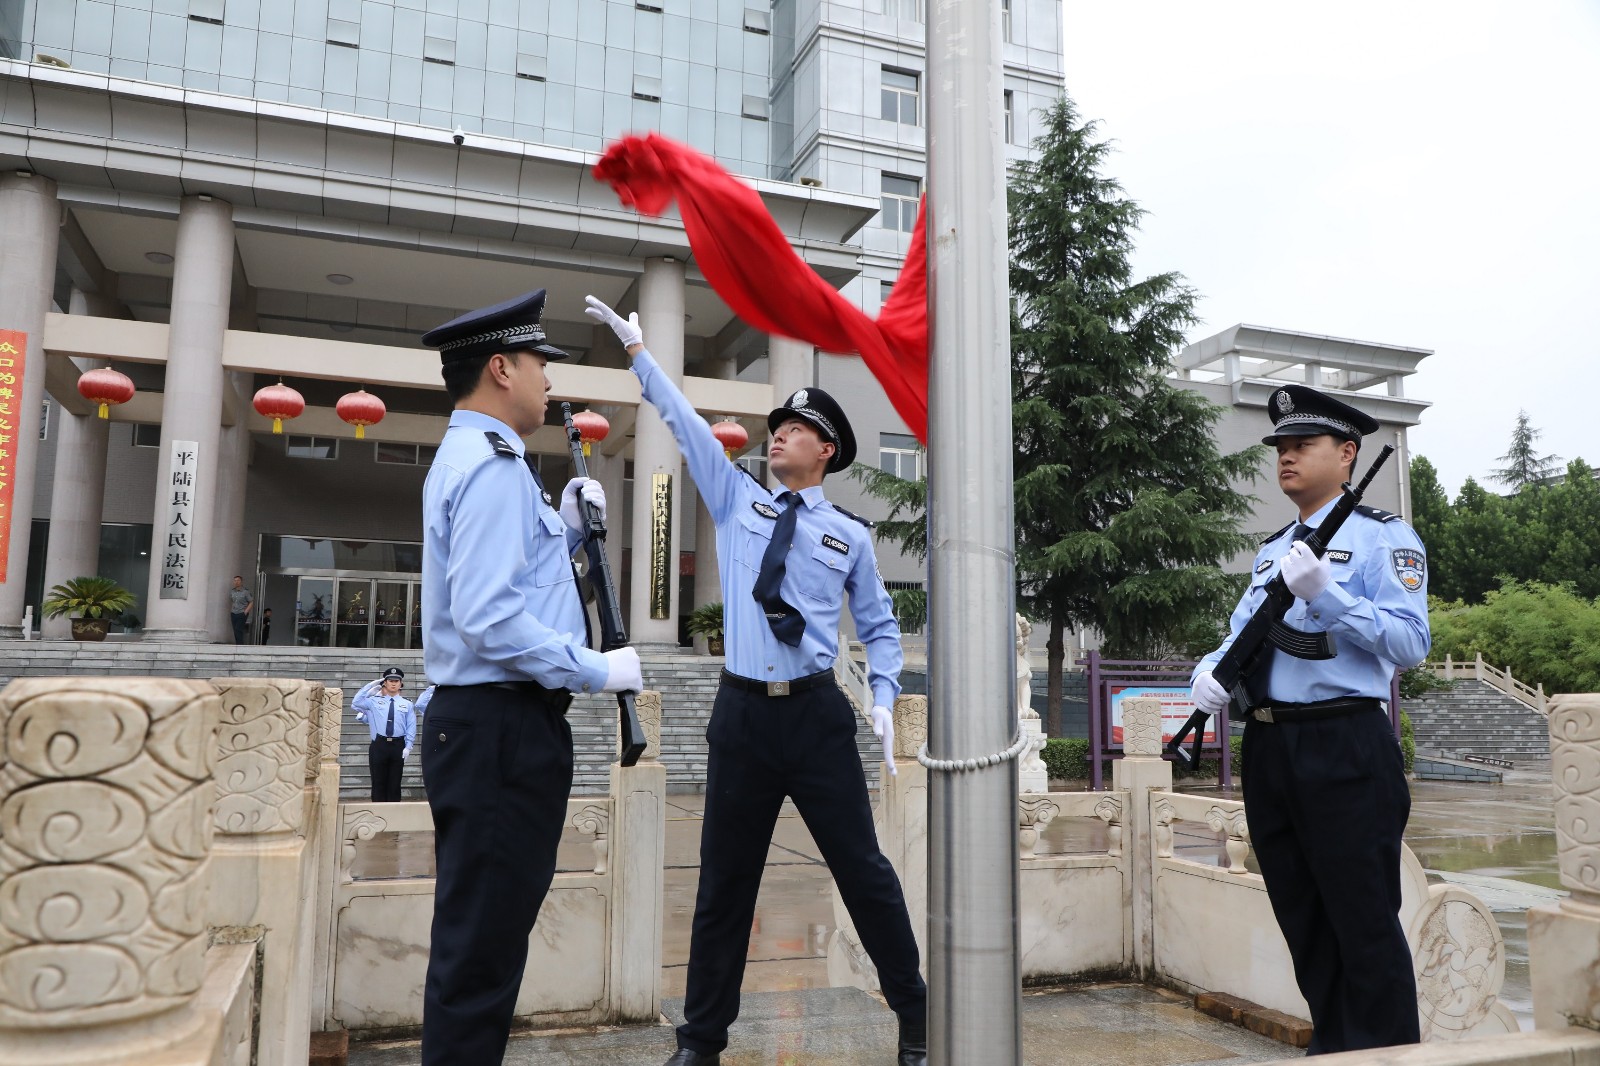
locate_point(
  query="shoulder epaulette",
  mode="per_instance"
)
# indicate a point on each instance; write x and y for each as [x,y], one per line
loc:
[847,514]
[746,472]
[1274,536]
[1375,513]
[498,443]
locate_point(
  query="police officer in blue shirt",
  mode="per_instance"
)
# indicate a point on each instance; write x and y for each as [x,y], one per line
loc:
[505,641]
[392,721]
[780,725]
[1324,786]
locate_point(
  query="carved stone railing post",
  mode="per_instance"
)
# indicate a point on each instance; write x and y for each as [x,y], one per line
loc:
[1564,939]
[105,842]
[263,874]
[1238,830]
[1034,812]
[1141,773]
[632,846]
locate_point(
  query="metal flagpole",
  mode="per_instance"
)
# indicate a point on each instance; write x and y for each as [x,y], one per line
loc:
[974,967]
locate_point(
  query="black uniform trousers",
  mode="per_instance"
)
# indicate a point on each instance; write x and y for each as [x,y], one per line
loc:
[384,759]
[761,749]
[498,768]
[1327,803]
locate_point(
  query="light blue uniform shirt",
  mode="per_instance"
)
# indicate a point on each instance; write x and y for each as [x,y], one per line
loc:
[499,602]
[1375,606]
[421,706]
[831,555]
[372,703]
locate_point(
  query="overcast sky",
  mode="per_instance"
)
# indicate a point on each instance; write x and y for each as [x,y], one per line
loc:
[1408,172]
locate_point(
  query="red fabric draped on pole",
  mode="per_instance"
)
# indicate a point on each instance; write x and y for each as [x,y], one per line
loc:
[748,261]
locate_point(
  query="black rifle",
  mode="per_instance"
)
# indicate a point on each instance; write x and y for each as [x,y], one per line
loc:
[612,634]
[1252,651]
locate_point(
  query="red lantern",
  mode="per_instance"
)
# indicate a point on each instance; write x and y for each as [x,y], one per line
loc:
[105,387]
[592,428]
[361,409]
[278,402]
[731,435]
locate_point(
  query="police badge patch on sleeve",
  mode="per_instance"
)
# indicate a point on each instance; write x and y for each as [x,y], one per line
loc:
[1410,567]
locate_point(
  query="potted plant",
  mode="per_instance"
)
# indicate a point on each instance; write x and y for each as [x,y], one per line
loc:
[91,602]
[706,621]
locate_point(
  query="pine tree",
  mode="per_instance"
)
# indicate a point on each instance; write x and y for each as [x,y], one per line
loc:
[1523,465]
[1125,508]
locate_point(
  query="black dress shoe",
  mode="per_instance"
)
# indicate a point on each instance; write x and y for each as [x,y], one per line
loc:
[913,1042]
[684,1057]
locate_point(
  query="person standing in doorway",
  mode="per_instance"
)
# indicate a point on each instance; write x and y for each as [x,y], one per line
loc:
[780,726]
[505,638]
[239,603]
[1325,788]
[392,723]
[266,625]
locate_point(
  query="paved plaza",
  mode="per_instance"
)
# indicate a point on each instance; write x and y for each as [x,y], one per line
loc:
[1496,840]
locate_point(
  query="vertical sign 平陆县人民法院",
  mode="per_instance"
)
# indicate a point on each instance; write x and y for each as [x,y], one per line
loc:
[13,359]
[179,528]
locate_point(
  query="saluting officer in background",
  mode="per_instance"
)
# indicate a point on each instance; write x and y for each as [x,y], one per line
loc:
[780,725]
[392,722]
[1324,783]
[505,640]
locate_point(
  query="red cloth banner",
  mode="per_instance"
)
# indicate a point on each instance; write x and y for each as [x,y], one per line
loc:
[748,261]
[13,360]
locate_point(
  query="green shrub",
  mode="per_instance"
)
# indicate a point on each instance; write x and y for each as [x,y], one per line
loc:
[1419,681]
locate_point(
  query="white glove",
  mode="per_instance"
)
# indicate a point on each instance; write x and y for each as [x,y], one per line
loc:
[1208,695]
[883,726]
[589,490]
[1304,573]
[361,716]
[627,330]
[405,753]
[623,673]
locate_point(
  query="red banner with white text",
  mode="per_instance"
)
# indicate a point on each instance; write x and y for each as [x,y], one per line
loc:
[13,357]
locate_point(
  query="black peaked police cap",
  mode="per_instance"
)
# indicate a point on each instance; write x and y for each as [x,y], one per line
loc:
[512,326]
[1301,411]
[822,411]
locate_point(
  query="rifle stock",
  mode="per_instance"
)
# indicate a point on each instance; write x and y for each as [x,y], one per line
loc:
[612,633]
[1251,651]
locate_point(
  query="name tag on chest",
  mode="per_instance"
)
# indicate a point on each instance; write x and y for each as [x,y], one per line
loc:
[1337,556]
[836,544]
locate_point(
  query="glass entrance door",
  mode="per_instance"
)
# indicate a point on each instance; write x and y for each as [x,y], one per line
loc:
[356,612]
[313,612]
[391,601]
[354,627]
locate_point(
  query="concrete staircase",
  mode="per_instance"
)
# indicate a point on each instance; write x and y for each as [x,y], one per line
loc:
[1475,718]
[687,683]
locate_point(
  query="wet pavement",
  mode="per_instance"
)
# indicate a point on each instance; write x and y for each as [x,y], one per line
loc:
[1496,840]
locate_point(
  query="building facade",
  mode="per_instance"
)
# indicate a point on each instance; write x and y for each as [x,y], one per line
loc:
[213,195]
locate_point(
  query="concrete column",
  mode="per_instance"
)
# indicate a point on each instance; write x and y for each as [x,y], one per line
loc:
[30,216]
[661,298]
[790,367]
[229,553]
[191,410]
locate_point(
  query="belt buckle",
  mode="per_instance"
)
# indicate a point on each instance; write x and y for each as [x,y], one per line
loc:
[777,688]
[1263,714]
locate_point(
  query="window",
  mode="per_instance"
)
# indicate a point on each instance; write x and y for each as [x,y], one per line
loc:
[404,454]
[146,435]
[900,454]
[439,50]
[757,107]
[758,20]
[532,67]
[1010,122]
[905,9]
[44,421]
[344,34]
[756,463]
[910,605]
[646,87]
[884,289]
[901,98]
[206,11]
[1005,20]
[900,195]
[311,447]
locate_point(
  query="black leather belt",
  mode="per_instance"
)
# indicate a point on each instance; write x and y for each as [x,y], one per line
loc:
[778,688]
[388,738]
[1280,713]
[558,699]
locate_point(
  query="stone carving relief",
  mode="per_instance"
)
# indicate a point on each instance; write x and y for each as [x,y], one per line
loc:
[910,725]
[1162,815]
[105,832]
[314,733]
[1141,727]
[1575,766]
[1034,812]
[1109,811]
[595,819]
[359,824]
[332,712]
[1460,964]
[648,706]
[263,746]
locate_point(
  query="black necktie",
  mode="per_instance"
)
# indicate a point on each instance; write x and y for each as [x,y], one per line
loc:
[538,484]
[389,729]
[786,622]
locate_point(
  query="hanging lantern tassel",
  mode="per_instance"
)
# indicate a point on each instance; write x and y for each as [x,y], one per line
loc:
[731,435]
[361,409]
[592,428]
[278,402]
[105,387]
